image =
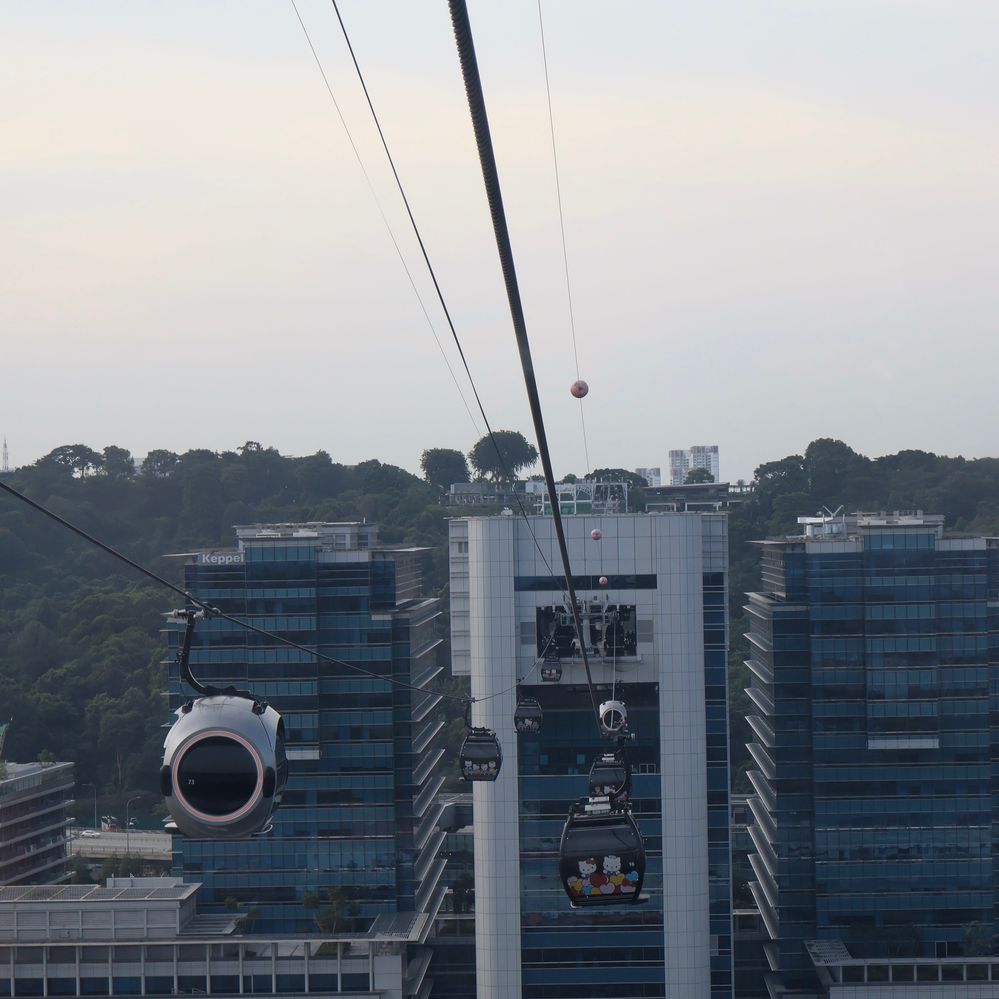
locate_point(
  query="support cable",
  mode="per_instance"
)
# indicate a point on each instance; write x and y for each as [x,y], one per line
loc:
[388,227]
[209,611]
[437,288]
[561,223]
[490,176]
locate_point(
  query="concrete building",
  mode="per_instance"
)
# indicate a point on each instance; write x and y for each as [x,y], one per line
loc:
[653,476]
[34,798]
[681,461]
[874,659]
[697,497]
[360,809]
[666,589]
[145,937]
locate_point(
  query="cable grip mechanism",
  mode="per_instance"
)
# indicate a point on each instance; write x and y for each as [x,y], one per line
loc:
[190,618]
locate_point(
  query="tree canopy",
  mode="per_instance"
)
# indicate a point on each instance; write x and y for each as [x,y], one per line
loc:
[698,475]
[443,466]
[503,455]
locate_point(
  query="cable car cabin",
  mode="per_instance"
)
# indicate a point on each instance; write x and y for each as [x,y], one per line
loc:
[613,638]
[527,717]
[481,757]
[610,777]
[551,671]
[601,858]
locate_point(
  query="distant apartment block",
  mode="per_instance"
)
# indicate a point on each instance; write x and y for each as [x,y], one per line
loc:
[653,476]
[699,456]
[33,840]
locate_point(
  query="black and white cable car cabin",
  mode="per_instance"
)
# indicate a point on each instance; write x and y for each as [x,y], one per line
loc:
[481,756]
[601,857]
[610,777]
[527,717]
[551,670]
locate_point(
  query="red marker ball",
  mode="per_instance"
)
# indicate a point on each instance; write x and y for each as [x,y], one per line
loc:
[579,389]
[596,534]
[603,580]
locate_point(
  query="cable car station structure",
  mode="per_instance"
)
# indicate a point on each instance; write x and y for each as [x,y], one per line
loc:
[653,589]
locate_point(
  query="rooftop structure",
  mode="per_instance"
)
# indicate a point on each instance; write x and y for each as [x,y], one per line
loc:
[145,936]
[697,497]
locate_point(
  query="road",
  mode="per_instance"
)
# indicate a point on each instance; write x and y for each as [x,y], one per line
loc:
[141,843]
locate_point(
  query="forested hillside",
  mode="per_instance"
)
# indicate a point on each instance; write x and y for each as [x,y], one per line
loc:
[80,647]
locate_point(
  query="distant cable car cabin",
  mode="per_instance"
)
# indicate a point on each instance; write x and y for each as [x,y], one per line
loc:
[610,777]
[551,671]
[527,718]
[481,756]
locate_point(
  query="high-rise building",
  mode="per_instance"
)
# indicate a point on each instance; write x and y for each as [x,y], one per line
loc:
[359,812]
[874,657]
[664,595]
[34,797]
[699,456]
[653,476]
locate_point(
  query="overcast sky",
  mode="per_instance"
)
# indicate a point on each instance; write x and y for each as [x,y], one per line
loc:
[782,222]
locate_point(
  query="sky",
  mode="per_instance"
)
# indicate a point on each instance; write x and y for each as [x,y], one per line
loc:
[781,221]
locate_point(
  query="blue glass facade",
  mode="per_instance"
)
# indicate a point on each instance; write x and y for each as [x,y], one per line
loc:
[615,951]
[874,682]
[619,951]
[359,813]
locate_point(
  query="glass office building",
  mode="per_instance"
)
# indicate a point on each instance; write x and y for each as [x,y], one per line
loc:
[873,654]
[657,638]
[359,812]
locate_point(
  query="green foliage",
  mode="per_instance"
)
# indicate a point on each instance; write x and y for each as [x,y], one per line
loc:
[336,915]
[442,466]
[80,645]
[698,475]
[501,456]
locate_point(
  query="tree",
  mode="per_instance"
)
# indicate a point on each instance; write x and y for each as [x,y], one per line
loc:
[634,480]
[830,464]
[46,757]
[78,459]
[159,463]
[698,475]
[335,914]
[501,456]
[117,463]
[443,465]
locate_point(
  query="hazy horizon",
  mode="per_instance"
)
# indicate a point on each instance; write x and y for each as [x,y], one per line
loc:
[781,222]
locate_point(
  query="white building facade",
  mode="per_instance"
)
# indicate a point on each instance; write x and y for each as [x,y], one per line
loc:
[666,590]
[681,461]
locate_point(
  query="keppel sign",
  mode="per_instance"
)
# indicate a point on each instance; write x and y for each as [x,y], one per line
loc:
[220,558]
